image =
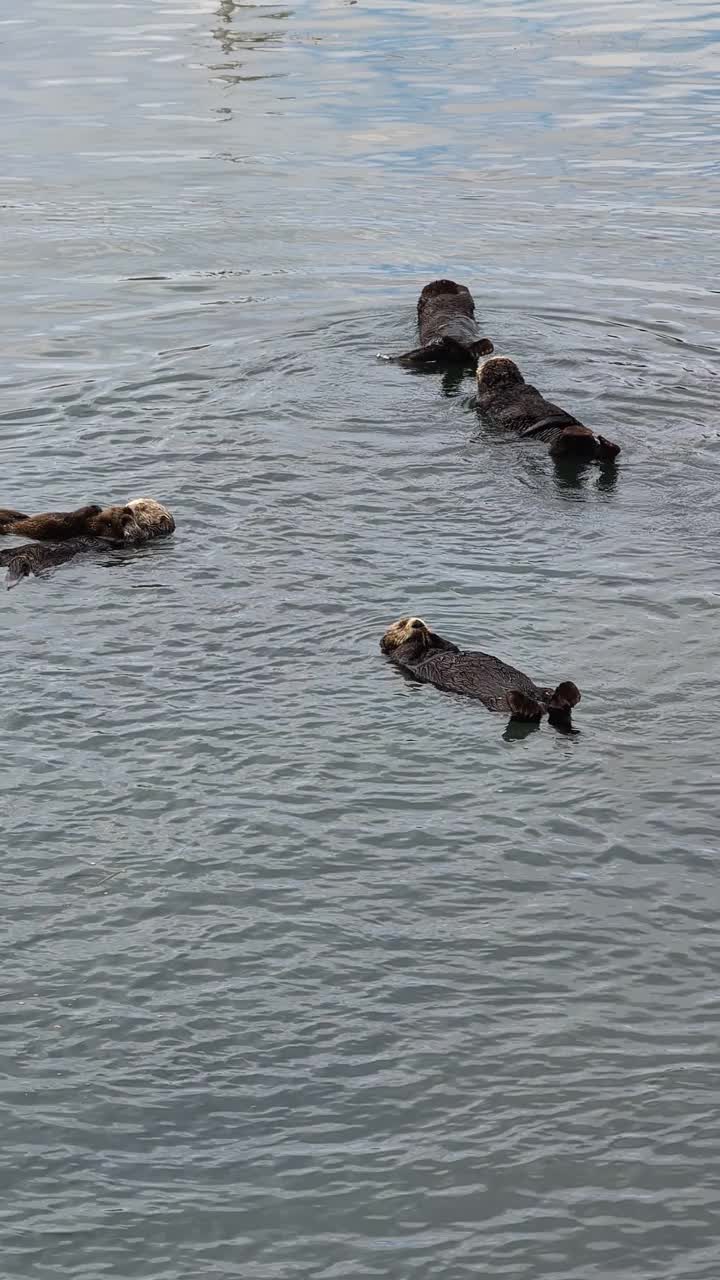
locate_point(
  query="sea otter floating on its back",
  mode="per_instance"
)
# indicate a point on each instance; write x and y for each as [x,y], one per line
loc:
[136,521]
[66,534]
[410,644]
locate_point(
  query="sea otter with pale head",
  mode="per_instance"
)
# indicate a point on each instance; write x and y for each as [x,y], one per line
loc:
[411,645]
[66,534]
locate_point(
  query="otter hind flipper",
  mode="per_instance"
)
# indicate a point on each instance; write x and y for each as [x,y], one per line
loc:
[8,518]
[523,707]
[483,347]
[576,443]
[607,449]
[443,351]
[17,570]
[24,567]
[420,357]
[564,698]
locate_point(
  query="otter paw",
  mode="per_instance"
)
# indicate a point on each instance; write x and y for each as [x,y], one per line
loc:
[566,696]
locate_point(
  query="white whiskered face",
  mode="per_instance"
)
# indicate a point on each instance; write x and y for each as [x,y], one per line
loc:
[151,517]
[401,631]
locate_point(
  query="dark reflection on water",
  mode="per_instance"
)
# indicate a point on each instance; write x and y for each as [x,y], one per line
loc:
[310,971]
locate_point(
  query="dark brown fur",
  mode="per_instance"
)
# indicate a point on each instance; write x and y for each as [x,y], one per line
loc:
[433,660]
[112,523]
[506,398]
[447,327]
[34,559]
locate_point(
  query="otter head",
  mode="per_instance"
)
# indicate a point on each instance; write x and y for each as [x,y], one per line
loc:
[499,371]
[441,288]
[404,631]
[117,524]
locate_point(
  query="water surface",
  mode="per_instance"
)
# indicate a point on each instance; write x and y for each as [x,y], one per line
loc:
[309,971]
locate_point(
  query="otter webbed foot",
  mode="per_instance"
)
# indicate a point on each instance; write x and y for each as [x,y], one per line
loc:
[443,351]
[607,450]
[523,707]
[566,696]
[421,357]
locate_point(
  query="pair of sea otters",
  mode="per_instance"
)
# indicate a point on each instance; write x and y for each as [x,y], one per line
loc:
[449,335]
[66,534]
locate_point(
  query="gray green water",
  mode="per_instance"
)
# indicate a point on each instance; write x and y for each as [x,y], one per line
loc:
[307,971]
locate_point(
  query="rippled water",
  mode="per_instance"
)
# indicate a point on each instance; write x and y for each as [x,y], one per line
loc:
[309,971]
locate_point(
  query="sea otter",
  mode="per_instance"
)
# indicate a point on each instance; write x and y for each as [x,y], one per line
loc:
[428,657]
[136,522]
[35,559]
[150,519]
[449,333]
[115,523]
[509,401]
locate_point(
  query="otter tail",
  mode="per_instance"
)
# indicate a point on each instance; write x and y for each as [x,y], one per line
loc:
[566,696]
[523,707]
[8,518]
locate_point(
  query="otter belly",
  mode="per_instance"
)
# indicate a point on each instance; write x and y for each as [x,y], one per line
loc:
[478,675]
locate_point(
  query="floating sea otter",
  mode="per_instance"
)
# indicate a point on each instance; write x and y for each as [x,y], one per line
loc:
[114,523]
[429,658]
[449,333]
[71,533]
[137,521]
[510,402]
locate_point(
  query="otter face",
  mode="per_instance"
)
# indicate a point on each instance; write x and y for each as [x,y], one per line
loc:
[117,524]
[402,631]
[499,371]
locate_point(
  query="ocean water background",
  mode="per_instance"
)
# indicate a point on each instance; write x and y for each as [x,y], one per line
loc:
[310,972]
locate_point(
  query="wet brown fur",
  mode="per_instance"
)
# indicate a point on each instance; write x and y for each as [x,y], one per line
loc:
[112,523]
[448,330]
[410,644]
[136,521]
[33,559]
[511,402]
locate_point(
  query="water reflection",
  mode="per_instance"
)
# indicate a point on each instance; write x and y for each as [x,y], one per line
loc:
[245,39]
[578,476]
[230,40]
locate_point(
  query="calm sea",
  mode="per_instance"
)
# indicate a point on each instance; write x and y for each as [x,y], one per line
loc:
[309,973]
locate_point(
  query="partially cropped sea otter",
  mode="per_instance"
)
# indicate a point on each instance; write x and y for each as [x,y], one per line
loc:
[137,521]
[509,401]
[77,533]
[115,523]
[411,645]
[448,330]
